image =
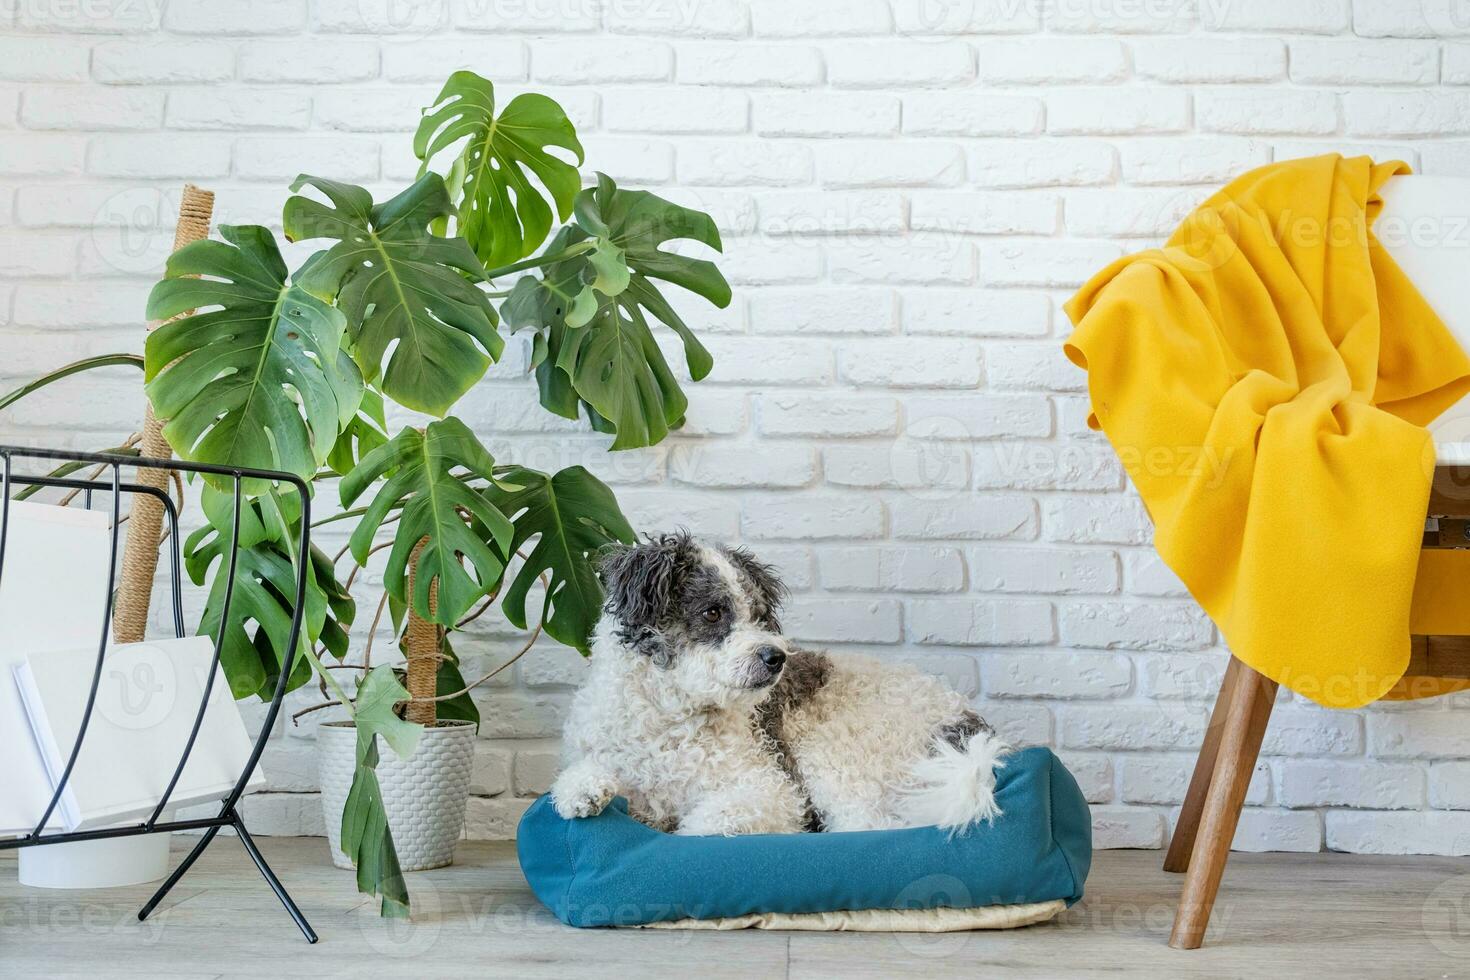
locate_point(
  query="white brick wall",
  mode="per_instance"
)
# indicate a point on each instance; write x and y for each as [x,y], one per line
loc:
[908,191]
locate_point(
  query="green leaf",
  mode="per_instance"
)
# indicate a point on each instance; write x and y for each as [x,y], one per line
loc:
[606,358]
[366,837]
[219,377]
[259,622]
[367,431]
[419,466]
[76,367]
[575,515]
[399,285]
[503,214]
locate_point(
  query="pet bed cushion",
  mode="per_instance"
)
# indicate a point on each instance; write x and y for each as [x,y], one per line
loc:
[611,870]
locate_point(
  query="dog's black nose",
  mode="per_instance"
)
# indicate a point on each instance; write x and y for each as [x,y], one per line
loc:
[772,657]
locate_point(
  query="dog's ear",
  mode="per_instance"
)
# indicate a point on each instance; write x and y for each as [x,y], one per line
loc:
[766,584]
[640,580]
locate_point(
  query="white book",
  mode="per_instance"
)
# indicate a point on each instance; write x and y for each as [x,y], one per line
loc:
[146,704]
[53,595]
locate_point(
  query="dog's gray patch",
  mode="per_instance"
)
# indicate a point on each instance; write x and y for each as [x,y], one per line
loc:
[806,673]
[959,732]
[761,583]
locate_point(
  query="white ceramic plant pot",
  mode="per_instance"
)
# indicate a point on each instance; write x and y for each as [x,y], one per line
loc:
[424,796]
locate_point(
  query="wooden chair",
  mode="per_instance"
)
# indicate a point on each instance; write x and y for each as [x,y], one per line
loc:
[1425,226]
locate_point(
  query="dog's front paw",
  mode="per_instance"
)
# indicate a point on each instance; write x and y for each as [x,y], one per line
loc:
[579,793]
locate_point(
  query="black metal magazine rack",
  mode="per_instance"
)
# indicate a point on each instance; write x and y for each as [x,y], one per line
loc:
[228,815]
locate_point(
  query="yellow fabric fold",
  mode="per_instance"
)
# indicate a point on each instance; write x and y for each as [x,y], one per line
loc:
[1265,378]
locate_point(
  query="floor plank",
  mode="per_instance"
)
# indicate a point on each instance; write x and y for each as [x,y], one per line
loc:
[1278,914]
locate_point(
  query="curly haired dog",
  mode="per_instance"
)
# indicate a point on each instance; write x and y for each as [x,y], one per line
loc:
[709,721]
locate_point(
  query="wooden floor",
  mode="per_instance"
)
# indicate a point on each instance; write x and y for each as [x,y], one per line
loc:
[1322,915]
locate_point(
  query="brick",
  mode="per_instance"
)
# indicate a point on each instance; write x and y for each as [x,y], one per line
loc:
[842,620]
[95,18]
[1313,732]
[1015,465]
[1089,519]
[631,161]
[520,714]
[578,61]
[770,262]
[943,467]
[1134,625]
[820,212]
[1353,62]
[1050,61]
[1093,772]
[1431,18]
[819,18]
[1456,70]
[749,63]
[1101,111]
[923,18]
[981,622]
[743,467]
[1449,785]
[1044,262]
[1144,573]
[215,17]
[498,59]
[700,20]
[1189,160]
[1127,726]
[1307,16]
[535,769]
[1209,59]
[1041,163]
[704,514]
[91,109]
[1418,734]
[1375,785]
[821,113]
[159,155]
[852,163]
[826,415]
[1056,675]
[911,569]
[1156,17]
[985,213]
[821,310]
[886,64]
[240,109]
[283,157]
[976,416]
[316,60]
[1261,829]
[812,517]
[677,110]
[975,312]
[494,817]
[1162,779]
[801,362]
[743,163]
[922,258]
[897,363]
[1126,827]
[1407,113]
[981,517]
[1268,111]
[1130,213]
[961,114]
[36,59]
[1377,832]
[26,253]
[1051,571]
[160,63]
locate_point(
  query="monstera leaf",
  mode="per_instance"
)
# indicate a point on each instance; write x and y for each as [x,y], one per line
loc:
[502,214]
[219,377]
[575,515]
[440,509]
[399,285]
[259,621]
[594,347]
[367,431]
[366,837]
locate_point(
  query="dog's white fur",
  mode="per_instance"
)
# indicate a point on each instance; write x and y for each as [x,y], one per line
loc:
[683,742]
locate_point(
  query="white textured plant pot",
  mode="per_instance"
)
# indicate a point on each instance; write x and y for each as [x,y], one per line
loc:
[106,863]
[423,796]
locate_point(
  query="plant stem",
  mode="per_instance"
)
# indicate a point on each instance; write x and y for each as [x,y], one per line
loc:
[537,261]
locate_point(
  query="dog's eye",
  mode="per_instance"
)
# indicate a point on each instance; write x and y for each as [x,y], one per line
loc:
[713,614]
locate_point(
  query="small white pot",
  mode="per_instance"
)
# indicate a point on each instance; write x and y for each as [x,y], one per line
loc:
[424,796]
[109,862]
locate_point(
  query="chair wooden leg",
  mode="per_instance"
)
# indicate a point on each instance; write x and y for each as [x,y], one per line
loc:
[1182,843]
[1240,743]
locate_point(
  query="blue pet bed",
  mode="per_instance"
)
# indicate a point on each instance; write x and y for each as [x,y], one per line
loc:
[611,870]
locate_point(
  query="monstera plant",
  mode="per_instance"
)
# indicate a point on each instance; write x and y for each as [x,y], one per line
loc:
[409,301]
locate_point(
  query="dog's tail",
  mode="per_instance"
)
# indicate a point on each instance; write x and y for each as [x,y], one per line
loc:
[954,787]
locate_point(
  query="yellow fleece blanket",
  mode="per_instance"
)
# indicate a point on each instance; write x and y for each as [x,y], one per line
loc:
[1265,378]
